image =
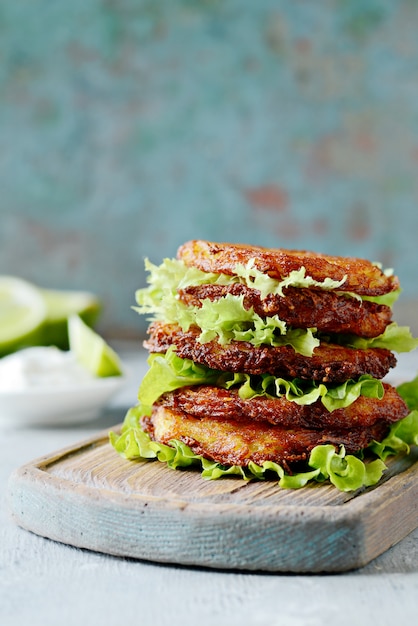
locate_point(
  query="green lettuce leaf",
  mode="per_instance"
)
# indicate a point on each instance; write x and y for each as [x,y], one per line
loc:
[395,338]
[409,392]
[133,443]
[345,472]
[388,299]
[341,396]
[168,372]
[401,437]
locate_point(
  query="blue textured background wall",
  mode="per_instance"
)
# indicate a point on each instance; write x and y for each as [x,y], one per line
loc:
[130,126]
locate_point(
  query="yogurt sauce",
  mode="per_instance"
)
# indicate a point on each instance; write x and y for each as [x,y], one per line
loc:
[41,367]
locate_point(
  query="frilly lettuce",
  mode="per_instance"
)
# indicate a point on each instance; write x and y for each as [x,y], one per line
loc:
[307,392]
[168,372]
[173,274]
[252,277]
[227,320]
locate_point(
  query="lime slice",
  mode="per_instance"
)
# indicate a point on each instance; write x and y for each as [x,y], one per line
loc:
[61,304]
[91,350]
[22,314]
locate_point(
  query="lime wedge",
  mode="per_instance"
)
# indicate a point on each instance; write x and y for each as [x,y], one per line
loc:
[60,305]
[22,314]
[91,350]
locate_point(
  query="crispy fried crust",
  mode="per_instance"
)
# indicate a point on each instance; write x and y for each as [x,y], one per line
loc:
[329,363]
[363,277]
[205,400]
[236,443]
[303,308]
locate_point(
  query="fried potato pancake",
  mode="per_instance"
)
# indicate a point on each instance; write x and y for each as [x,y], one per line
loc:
[302,308]
[329,362]
[237,442]
[204,401]
[362,276]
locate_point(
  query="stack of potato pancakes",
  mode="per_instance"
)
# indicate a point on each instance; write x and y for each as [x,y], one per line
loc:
[285,349]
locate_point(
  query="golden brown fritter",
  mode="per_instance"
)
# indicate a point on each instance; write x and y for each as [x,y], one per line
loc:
[236,443]
[329,362]
[363,277]
[302,308]
[217,403]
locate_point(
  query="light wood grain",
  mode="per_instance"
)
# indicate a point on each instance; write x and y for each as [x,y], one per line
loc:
[87,496]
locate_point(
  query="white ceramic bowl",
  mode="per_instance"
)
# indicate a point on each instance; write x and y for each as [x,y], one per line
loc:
[43,385]
[61,405]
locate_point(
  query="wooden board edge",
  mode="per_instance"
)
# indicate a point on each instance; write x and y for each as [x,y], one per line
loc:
[389,513]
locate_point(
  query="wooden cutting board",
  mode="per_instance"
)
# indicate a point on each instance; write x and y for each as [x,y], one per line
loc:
[87,496]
